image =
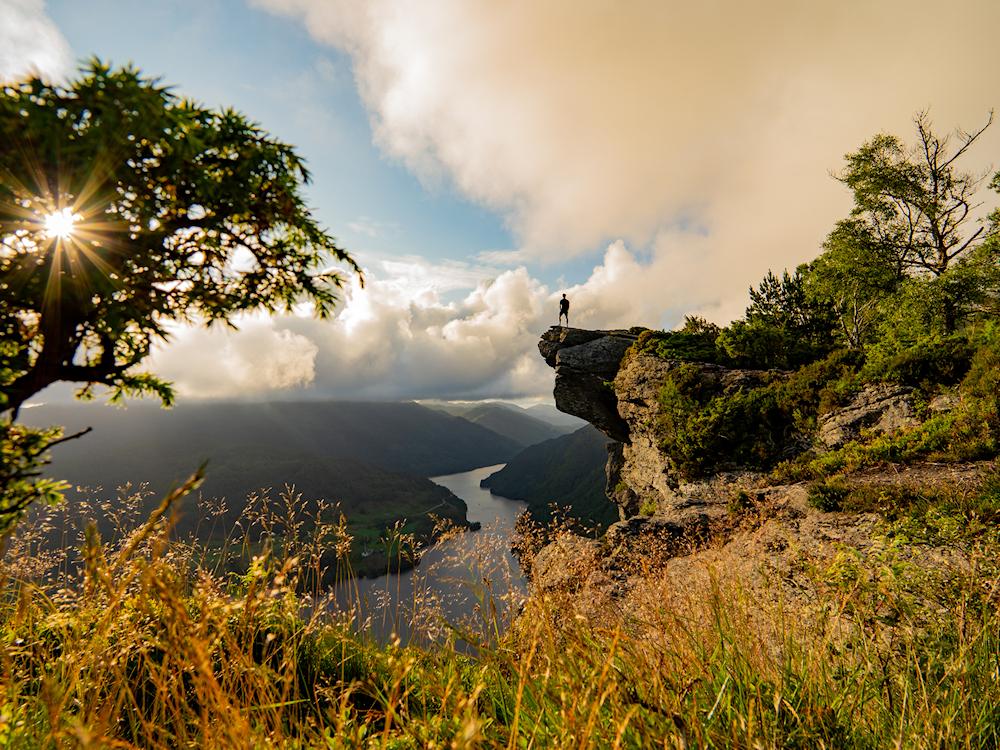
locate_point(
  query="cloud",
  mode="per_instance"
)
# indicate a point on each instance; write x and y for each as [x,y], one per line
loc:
[364,225]
[30,43]
[259,359]
[704,132]
[417,330]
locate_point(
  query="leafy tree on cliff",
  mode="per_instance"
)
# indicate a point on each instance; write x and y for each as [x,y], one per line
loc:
[783,326]
[854,275]
[124,209]
[915,205]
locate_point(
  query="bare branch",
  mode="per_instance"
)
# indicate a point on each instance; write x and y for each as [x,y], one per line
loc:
[968,139]
[67,438]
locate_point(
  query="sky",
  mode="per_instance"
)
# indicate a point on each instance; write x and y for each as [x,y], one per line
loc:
[649,159]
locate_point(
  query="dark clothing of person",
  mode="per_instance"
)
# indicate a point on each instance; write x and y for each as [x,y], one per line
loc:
[564,309]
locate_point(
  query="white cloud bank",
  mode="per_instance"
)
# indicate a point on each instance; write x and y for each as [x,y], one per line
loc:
[702,133]
[30,43]
[403,336]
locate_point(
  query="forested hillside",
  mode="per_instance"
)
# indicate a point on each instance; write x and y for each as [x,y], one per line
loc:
[567,471]
[508,420]
[145,443]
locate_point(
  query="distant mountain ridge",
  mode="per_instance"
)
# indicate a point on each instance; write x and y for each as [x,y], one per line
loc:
[549,413]
[508,420]
[402,437]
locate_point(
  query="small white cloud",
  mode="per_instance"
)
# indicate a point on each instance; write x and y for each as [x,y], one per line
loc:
[30,43]
[502,257]
[366,226]
[327,71]
[259,358]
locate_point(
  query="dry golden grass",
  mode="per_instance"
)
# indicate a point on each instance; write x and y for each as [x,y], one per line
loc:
[148,643]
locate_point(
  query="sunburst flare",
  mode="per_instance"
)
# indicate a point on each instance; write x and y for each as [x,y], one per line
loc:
[60,224]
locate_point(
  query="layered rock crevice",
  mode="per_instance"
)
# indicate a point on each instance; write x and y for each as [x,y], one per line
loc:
[619,394]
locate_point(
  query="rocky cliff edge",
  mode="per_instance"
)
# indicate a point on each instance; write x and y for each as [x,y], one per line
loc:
[734,519]
[619,395]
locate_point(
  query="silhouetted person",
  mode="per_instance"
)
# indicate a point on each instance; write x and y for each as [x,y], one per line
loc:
[564,310]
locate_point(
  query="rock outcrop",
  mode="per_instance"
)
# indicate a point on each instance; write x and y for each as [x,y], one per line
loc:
[620,396]
[880,408]
[585,363]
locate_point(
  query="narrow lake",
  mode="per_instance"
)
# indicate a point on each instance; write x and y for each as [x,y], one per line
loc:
[465,583]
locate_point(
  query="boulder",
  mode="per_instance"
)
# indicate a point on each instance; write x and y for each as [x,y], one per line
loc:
[881,408]
[585,363]
[944,402]
[627,533]
[564,564]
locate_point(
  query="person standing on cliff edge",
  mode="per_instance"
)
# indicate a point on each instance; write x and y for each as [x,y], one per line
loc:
[564,310]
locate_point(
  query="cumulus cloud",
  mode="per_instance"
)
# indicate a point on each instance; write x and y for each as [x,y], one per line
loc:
[261,358]
[30,43]
[416,330]
[700,134]
[702,131]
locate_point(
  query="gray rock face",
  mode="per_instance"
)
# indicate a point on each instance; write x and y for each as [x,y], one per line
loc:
[620,397]
[585,363]
[646,478]
[883,408]
[667,529]
[944,402]
[574,563]
[615,489]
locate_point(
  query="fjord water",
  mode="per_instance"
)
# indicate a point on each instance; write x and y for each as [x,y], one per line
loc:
[467,581]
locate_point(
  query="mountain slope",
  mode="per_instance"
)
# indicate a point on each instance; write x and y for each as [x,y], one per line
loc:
[550,414]
[402,437]
[567,471]
[512,422]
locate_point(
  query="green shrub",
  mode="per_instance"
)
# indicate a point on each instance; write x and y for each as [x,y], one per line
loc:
[928,364]
[647,508]
[703,429]
[932,437]
[977,423]
[828,496]
[761,345]
[698,345]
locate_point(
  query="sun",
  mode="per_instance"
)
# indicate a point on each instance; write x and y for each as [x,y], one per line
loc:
[59,224]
